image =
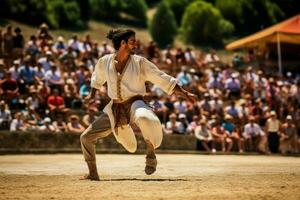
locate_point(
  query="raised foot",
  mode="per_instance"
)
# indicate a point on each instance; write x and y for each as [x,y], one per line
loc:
[151,164]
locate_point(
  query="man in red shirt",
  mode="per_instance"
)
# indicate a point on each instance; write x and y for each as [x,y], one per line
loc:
[56,103]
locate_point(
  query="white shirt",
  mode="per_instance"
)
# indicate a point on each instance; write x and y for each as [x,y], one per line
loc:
[137,71]
[252,130]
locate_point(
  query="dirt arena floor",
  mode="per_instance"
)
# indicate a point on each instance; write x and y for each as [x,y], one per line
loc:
[177,177]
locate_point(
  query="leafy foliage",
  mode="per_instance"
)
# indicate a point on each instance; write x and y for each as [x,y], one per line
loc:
[202,24]
[163,26]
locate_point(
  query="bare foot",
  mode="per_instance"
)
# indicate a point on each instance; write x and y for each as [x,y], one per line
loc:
[89,177]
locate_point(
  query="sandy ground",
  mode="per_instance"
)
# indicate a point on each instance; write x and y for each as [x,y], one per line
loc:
[177,177]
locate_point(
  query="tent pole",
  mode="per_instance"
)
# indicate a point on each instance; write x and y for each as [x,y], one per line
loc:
[279,55]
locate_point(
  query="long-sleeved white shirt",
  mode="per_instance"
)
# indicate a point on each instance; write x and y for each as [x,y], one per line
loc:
[252,130]
[137,71]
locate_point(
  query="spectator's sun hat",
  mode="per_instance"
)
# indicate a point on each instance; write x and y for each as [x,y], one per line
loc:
[47,119]
[202,121]
[49,53]
[17,62]
[70,81]
[234,75]
[182,116]
[273,113]
[206,94]
[228,116]
[60,39]
[44,25]
[289,117]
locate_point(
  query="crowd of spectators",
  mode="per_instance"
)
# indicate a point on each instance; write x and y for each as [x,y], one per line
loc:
[43,82]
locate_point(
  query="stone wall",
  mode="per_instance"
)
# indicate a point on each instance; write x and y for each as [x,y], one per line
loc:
[36,141]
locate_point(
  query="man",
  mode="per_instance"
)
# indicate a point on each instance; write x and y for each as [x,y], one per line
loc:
[204,135]
[254,135]
[125,75]
[288,136]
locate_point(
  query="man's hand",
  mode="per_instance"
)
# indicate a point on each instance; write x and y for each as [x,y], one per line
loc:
[178,90]
[90,96]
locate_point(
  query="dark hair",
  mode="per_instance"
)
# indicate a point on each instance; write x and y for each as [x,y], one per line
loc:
[117,35]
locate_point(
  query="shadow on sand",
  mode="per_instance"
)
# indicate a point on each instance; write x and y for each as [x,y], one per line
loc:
[150,179]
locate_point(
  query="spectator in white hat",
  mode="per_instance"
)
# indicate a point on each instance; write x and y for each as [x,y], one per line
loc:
[272,130]
[288,136]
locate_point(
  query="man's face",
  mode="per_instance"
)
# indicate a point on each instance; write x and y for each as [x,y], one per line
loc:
[131,45]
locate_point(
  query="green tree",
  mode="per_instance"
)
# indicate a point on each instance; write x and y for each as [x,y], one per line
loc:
[137,9]
[250,15]
[202,24]
[178,7]
[163,26]
[106,9]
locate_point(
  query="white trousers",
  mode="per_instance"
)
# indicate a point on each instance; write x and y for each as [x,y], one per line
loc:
[141,115]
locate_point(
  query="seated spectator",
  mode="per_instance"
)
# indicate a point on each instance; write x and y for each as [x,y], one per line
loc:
[159,108]
[59,47]
[17,123]
[14,70]
[220,135]
[232,132]
[211,57]
[32,117]
[217,105]
[183,128]
[75,44]
[53,78]
[205,106]
[59,124]
[47,61]
[233,86]
[90,117]
[288,137]
[204,135]
[172,126]
[184,77]
[232,110]
[32,47]
[39,72]
[255,138]
[9,89]
[56,103]
[27,72]
[74,125]
[85,88]
[105,49]
[180,105]
[5,116]
[190,57]
[180,57]
[193,124]
[70,94]
[47,126]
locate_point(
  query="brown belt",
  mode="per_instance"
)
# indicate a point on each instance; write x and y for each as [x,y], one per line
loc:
[121,110]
